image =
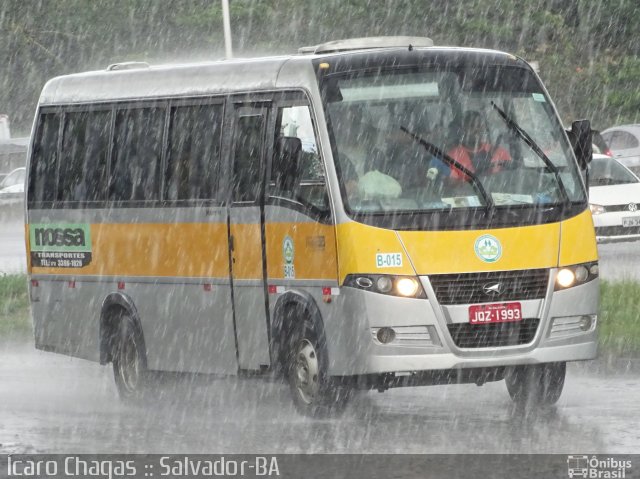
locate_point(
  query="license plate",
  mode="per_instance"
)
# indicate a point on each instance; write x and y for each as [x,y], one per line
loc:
[495,313]
[631,221]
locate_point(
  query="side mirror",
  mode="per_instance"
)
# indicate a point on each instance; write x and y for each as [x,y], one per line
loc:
[580,136]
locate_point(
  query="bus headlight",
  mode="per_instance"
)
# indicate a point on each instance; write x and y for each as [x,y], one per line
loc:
[407,287]
[392,285]
[596,209]
[565,278]
[384,284]
[575,275]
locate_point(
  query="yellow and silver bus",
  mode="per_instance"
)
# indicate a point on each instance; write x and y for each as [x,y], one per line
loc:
[328,216]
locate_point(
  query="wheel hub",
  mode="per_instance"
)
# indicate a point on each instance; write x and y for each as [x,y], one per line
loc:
[306,371]
[130,367]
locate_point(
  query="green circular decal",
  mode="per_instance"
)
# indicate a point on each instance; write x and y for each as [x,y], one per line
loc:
[488,248]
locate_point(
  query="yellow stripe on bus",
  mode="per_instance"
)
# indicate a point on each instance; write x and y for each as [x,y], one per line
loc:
[578,240]
[201,250]
[443,252]
[314,250]
[160,250]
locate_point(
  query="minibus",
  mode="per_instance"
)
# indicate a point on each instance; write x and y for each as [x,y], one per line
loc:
[364,214]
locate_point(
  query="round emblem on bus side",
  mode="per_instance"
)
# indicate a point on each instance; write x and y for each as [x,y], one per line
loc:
[287,250]
[488,248]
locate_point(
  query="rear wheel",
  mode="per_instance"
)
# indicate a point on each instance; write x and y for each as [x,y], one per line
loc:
[536,385]
[129,363]
[314,393]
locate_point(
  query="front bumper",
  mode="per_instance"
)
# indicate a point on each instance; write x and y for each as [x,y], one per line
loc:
[353,349]
[609,227]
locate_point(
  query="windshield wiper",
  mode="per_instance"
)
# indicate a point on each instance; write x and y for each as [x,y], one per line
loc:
[437,152]
[513,126]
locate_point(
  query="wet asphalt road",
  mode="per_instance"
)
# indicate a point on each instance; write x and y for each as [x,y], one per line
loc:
[52,403]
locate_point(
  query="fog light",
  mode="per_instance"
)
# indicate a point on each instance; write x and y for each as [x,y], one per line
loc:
[581,274]
[586,322]
[386,335]
[384,284]
[565,277]
[407,286]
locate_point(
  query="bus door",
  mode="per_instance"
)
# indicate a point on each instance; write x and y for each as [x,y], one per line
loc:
[246,235]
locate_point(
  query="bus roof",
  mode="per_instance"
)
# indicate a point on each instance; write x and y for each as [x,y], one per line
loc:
[138,80]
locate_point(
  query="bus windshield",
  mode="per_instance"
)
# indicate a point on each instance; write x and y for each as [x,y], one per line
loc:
[433,139]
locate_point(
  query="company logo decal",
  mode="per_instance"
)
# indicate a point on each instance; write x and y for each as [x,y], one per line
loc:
[288,254]
[633,207]
[488,248]
[493,289]
[60,245]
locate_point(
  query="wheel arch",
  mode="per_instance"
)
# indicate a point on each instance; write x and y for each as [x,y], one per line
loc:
[283,321]
[112,306]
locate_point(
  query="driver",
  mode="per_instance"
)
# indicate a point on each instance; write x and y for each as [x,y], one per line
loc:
[474,151]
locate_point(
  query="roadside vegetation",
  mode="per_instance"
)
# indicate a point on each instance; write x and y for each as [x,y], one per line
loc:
[588,51]
[15,321]
[619,316]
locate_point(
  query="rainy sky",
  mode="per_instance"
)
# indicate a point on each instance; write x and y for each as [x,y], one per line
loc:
[587,50]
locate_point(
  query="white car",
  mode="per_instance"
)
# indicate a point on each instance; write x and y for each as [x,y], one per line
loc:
[12,187]
[624,142]
[614,199]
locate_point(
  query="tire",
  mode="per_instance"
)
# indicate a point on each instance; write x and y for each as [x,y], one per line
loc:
[536,385]
[129,361]
[313,392]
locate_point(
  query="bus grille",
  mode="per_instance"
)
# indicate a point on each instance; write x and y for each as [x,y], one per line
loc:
[468,288]
[466,335]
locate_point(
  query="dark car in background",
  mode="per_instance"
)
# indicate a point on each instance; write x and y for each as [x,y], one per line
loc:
[599,144]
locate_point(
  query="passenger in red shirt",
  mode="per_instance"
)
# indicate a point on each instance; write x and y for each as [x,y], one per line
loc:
[474,151]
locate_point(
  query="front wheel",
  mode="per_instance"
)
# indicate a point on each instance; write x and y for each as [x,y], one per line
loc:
[314,393]
[538,384]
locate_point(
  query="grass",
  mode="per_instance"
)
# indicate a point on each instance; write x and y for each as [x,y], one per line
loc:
[15,320]
[619,316]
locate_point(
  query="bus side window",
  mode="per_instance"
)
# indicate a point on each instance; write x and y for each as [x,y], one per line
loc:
[246,167]
[193,158]
[83,166]
[135,166]
[44,160]
[310,188]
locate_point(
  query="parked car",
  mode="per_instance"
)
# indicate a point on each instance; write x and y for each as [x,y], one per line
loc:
[12,188]
[624,141]
[614,199]
[599,145]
